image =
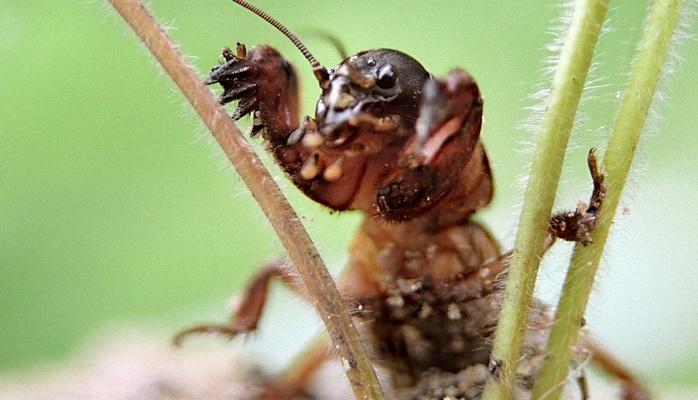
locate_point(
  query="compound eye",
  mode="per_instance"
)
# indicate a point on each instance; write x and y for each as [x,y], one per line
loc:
[386,77]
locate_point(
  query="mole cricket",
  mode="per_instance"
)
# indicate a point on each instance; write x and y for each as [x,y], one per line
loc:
[424,282]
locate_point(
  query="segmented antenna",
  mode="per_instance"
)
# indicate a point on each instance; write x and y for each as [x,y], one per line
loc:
[321,73]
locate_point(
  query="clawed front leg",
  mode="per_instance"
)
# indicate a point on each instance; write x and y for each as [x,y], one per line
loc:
[263,83]
[451,110]
[446,135]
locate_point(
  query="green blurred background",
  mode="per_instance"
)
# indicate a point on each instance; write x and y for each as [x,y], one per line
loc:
[116,208]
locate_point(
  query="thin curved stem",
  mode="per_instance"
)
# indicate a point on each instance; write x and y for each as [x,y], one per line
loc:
[561,108]
[281,215]
[617,160]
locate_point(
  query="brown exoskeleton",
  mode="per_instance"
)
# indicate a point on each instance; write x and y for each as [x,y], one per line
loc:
[424,282]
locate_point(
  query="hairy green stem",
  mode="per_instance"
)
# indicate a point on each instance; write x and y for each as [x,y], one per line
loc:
[283,218]
[617,160]
[561,108]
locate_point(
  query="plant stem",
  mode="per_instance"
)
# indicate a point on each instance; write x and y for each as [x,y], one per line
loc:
[283,218]
[562,102]
[617,160]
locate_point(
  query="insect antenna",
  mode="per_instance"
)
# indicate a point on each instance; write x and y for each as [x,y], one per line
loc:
[331,39]
[320,72]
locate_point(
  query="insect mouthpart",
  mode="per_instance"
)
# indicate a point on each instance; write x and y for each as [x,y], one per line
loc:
[347,104]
